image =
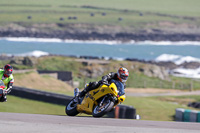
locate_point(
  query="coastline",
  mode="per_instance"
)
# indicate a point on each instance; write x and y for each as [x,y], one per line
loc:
[120,36]
[106,42]
[183,66]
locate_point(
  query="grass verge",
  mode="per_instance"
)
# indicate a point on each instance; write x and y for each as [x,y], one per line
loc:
[21,105]
[153,108]
[135,13]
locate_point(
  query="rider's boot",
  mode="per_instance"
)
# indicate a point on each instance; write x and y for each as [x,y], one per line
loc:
[3,99]
[76,93]
[79,95]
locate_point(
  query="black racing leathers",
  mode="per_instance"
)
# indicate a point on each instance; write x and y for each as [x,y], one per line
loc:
[105,79]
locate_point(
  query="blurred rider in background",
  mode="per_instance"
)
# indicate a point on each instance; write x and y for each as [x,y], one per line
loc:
[121,75]
[8,79]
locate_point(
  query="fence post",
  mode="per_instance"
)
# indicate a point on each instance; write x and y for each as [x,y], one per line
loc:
[182,85]
[173,85]
[145,84]
[161,85]
[191,85]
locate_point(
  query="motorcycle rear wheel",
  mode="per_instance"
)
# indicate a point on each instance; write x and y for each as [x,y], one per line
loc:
[71,108]
[100,111]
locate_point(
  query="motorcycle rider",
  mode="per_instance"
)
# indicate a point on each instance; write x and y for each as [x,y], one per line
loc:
[121,75]
[8,79]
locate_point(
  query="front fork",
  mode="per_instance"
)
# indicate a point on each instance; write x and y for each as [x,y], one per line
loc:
[102,101]
[111,97]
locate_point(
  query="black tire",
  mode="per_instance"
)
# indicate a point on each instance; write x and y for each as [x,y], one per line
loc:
[71,109]
[107,109]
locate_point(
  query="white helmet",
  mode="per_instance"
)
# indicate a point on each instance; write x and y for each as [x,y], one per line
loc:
[122,74]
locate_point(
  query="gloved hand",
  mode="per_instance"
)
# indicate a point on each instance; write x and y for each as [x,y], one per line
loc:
[4,92]
[104,81]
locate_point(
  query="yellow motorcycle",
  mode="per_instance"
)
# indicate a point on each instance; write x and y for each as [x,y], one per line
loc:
[99,101]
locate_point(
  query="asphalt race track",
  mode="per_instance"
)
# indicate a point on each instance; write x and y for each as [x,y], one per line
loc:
[36,123]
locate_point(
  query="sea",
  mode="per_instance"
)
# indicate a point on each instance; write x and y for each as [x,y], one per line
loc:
[145,50]
[178,52]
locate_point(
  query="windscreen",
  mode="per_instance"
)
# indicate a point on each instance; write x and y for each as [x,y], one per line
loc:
[120,87]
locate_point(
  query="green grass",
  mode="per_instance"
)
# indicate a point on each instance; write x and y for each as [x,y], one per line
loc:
[50,11]
[186,82]
[59,63]
[21,105]
[152,108]
[139,80]
[33,80]
[194,98]
[2,63]
[183,7]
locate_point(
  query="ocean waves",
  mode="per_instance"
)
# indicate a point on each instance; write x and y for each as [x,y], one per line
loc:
[35,53]
[187,73]
[56,40]
[177,59]
[179,53]
[181,70]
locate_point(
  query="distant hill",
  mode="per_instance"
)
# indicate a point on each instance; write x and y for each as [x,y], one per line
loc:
[41,82]
[173,20]
[142,74]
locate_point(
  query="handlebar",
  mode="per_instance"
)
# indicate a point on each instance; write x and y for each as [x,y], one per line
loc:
[106,84]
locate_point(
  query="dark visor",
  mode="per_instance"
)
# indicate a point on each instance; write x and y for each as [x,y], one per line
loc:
[124,77]
[8,72]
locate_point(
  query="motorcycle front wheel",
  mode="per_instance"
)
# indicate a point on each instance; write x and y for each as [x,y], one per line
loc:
[71,108]
[99,111]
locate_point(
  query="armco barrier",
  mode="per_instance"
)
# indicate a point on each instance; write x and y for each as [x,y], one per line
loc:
[120,111]
[198,117]
[193,116]
[40,95]
[187,115]
[123,111]
[179,114]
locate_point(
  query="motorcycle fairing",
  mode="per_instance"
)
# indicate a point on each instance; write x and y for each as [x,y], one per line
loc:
[91,97]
